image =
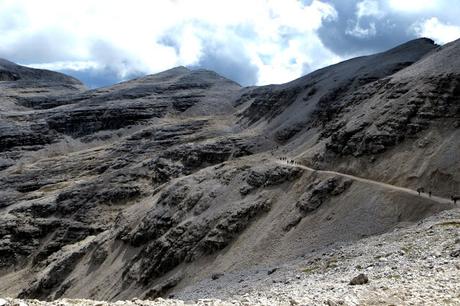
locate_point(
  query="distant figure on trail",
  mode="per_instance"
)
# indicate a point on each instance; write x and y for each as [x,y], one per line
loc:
[429,193]
[420,190]
[455,198]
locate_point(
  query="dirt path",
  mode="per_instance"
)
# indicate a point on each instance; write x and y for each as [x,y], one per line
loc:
[357,178]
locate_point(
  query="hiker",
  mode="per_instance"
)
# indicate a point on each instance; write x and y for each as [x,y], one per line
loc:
[420,190]
[429,193]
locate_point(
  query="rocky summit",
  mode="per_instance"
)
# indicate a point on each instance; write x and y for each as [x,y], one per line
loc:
[185,185]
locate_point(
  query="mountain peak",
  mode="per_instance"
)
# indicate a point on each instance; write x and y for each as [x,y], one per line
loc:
[10,71]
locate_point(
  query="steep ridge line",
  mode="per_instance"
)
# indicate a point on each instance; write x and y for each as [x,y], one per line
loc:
[385,185]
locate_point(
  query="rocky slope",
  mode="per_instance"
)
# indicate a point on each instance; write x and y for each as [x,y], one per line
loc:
[150,187]
[415,265]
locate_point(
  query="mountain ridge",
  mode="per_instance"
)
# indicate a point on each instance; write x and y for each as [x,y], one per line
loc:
[150,186]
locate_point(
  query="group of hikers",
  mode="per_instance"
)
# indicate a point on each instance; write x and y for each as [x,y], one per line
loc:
[289,161]
[454,198]
[421,190]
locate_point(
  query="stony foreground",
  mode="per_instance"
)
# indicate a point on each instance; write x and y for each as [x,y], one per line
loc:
[415,265]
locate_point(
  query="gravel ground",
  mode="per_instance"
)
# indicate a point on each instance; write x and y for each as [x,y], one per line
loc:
[415,265]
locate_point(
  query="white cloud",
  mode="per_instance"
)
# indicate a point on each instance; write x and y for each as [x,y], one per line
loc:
[72,65]
[362,32]
[440,32]
[413,6]
[127,35]
[366,8]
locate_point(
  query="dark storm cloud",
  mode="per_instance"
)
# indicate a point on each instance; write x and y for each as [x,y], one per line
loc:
[386,29]
[95,78]
[390,30]
[114,67]
[235,67]
[227,59]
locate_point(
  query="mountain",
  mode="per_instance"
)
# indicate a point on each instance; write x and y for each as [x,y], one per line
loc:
[11,72]
[147,187]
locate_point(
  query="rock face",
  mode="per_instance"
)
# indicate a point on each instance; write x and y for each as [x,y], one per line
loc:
[320,191]
[148,186]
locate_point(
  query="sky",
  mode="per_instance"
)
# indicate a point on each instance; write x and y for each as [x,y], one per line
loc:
[253,42]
